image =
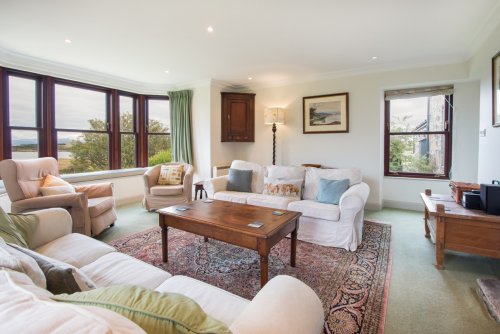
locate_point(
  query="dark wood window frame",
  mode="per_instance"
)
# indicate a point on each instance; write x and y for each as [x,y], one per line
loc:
[447,132]
[47,132]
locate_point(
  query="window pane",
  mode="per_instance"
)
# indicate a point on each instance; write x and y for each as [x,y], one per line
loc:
[22,101]
[158,116]
[24,144]
[417,154]
[78,108]
[128,151]
[159,149]
[82,152]
[126,114]
[418,114]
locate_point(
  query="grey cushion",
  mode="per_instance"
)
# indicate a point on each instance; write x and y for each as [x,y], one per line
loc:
[239,180]
[59,279]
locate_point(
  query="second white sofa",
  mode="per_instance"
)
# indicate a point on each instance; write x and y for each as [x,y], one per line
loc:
[321,223]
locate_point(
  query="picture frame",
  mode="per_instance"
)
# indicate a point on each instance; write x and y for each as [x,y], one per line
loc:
[326,113]
[495,61]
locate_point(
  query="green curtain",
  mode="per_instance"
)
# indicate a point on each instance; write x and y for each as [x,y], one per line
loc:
[180,125]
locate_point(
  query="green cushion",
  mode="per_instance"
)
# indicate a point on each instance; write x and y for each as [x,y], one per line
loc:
[9,231]
[155,312]
[26,225]
[330,191]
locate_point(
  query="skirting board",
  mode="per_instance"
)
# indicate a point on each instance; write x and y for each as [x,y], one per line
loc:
[404,205]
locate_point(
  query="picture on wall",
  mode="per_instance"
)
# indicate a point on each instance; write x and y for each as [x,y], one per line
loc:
[496,89]
[326,113]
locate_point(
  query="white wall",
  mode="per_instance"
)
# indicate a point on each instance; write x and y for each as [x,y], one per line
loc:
[362,147]
[201,112]
[489,145]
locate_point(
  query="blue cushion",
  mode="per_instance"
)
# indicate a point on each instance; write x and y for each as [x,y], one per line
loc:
[239,180]
[330,191]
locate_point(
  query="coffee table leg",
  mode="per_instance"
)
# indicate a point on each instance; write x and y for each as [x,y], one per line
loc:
[206,239]
[264,269]
[293,246]
[164,242]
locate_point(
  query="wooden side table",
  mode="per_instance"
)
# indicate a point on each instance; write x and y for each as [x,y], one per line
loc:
[198,187]
[456,228]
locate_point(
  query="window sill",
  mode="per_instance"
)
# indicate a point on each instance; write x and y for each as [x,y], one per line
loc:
[427,179]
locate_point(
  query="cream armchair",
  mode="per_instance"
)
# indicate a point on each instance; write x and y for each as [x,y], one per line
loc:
[92,207]
[159,196]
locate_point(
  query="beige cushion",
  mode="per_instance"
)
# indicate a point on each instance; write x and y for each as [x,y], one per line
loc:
[75,249]
[57,190]
[21,311]
[218,303]
[315,209]
[313,175]
[170,190]
[257,175]
[170,174]
[16,260]
[283,187]
[286,172]
[119,268]
[53,181]
[98,206]
[268,201]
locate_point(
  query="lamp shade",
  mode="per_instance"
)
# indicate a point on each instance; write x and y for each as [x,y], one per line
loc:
[274,115]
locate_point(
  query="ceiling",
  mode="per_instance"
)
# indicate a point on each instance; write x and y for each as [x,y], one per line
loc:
[270,41]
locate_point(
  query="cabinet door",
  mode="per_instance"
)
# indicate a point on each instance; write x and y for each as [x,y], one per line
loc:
[238,117]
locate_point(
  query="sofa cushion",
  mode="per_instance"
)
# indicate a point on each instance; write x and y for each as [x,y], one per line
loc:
[316,210]
[76,249]
[22,311]
[283,187]
[99,205]
[232,196]
[61,277]
[171,190]
[153,311]
[13,259]
[220,304]
[239,180]
[257,175]
[286,172]
[57,190]
[313,175]
[269,201]
[119,268]
[170,174]
[54,181]
[330,191]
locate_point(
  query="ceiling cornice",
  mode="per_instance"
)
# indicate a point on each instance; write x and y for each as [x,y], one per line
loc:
[27,63]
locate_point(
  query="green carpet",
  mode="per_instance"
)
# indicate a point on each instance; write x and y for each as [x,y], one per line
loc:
[422,299]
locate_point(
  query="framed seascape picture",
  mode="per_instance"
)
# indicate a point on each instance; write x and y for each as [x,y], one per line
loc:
[326,113]
[496,89]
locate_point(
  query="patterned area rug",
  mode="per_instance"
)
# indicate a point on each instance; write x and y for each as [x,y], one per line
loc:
[352,286]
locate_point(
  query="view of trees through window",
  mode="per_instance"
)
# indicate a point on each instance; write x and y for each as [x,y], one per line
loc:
[82,130]
[417,133]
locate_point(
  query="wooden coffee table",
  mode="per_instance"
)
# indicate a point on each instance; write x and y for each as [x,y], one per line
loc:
[227,221]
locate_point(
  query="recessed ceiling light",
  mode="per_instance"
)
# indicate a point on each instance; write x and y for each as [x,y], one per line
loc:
[166,71]
[250,78]
[210,29]
[374,58]
[67,41]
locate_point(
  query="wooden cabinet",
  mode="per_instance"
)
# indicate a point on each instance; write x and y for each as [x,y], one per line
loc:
[238,117]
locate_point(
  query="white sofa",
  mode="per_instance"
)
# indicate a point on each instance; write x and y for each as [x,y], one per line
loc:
[284,305]
[324,224]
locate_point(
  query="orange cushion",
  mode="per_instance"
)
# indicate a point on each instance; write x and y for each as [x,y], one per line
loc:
[53,181]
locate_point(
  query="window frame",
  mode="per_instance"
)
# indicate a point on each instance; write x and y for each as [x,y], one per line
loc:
[47,131]
[146,121]
[447,132]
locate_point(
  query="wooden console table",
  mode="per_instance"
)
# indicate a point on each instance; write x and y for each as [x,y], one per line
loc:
[453,227]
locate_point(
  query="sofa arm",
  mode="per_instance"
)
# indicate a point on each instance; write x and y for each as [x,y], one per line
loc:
[78,200]
[51,224]
[215,184]
[283,305]
[354,199]
[104,189]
